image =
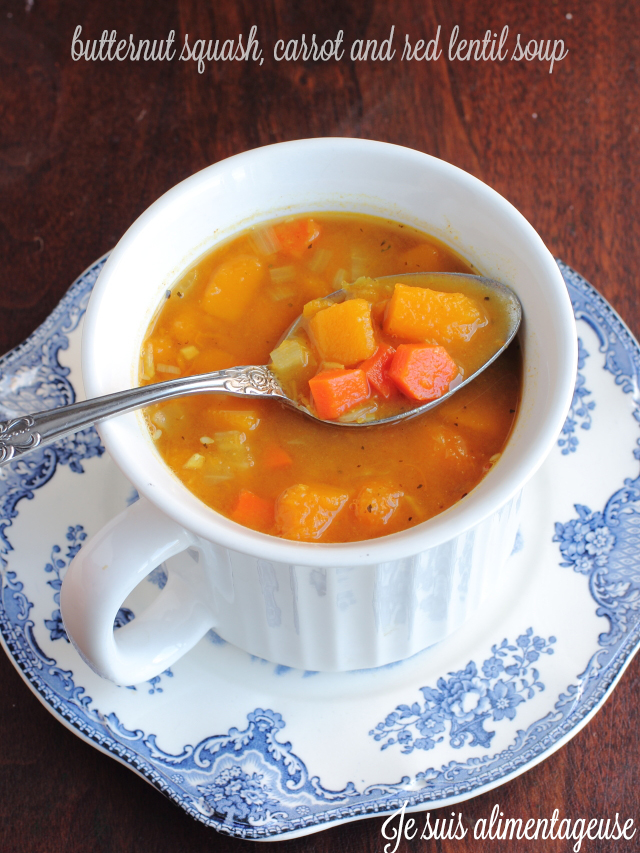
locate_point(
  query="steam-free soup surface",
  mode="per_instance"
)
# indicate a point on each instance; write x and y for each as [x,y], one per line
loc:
[272,469]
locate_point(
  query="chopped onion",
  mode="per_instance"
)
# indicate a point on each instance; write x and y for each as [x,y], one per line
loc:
[359,263]
[190,352]
[339,279]
[290,356]
[320,260]
[280,275]
[147,360]
[168,368]
[265,241]
[360,414]
[195,461]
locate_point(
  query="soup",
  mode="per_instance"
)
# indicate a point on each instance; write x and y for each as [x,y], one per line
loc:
[382,347]
[273,469]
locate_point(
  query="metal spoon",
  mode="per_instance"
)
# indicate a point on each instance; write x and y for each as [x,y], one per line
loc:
[23,434]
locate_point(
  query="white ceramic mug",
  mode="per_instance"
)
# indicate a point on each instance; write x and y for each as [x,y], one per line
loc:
[308,605]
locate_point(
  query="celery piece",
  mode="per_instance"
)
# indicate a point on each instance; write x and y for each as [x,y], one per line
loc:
[292,355]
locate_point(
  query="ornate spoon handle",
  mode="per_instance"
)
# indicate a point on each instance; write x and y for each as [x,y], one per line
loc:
[25,433]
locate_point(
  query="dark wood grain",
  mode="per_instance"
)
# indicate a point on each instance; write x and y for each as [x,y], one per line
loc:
[86,147]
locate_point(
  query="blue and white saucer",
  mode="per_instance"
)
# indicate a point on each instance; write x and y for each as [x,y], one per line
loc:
[261,751]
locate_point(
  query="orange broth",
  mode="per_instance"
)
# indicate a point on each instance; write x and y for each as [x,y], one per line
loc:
[273,469]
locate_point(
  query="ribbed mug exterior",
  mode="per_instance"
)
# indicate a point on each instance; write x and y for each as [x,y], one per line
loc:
[334,618]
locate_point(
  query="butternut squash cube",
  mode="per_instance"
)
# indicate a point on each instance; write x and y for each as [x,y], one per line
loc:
[232,287]
[375,504]
[420,314]
[304,512]
[344,333]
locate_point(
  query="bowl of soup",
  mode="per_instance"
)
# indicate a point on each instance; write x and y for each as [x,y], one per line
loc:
[303,542]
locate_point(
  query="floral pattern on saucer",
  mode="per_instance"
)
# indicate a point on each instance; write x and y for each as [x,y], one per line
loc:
[248,779]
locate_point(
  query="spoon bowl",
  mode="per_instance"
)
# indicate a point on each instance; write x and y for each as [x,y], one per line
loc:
[510,307]
[25,433]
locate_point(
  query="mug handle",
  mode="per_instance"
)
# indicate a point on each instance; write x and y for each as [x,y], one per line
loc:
[106,569]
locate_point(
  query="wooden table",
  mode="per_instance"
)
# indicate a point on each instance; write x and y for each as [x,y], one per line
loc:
[85,147]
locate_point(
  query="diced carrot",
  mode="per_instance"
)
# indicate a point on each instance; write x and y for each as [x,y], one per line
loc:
[253,511]
[296,237]
[422,372]
[232,287]
[304,512]
[418,314]
[376,503]
[275,456]
[376,369]
[344,333]
[336,391]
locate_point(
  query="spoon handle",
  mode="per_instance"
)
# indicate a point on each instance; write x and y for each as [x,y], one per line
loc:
[26,432]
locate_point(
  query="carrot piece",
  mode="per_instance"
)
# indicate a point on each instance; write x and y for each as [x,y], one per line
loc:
[422,372]
[344,333]
[275,456]
[305,512]
[336,391]
[298,236]
[253,511]
[376,369]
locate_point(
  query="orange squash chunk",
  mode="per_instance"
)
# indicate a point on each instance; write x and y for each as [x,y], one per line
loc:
[253,511]
[210,360]
[232,287]
[422,372]
[429,258]
[334,392]
[304,513]
[419,314]
[344,333]
[375,505]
